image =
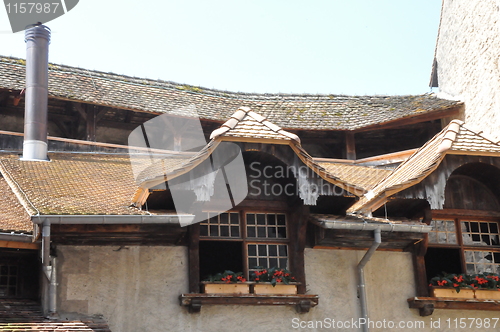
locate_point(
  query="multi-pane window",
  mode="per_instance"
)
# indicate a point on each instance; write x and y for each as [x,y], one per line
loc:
[482,261]
[443,231]
[483,233]
[8,280]
[266,225]
[244,240]
[267,255]
[221,225]
[463,246]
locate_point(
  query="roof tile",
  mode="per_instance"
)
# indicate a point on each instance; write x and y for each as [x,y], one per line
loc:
[13,216]
[291,111]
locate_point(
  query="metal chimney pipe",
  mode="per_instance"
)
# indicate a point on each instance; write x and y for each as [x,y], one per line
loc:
[37,38]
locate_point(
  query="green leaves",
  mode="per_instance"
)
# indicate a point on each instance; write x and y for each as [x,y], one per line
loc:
[273,275]
[227,276]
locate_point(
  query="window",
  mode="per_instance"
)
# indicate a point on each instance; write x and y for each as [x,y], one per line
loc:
[242,241]
[463,245]
[8,280]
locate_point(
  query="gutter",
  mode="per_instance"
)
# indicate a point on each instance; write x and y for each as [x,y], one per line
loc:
[49,262]
[16,237]
[364,226]
[182,219]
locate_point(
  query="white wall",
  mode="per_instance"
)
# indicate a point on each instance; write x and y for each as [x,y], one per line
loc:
[467,53]
[137,288]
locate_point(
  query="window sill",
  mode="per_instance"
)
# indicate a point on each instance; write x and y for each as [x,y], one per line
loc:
[302,302]
[426,305]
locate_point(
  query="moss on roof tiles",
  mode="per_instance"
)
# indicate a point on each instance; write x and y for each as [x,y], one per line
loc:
[13,216]
[290,111]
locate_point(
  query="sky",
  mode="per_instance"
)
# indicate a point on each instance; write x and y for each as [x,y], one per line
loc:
[355,47]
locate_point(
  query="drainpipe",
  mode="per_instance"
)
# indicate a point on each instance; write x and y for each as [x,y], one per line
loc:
[49,273]
[361,286]
[53,290]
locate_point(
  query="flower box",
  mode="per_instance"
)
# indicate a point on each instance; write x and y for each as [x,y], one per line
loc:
[451,292]
[491,294]
[267,288]
[225,288]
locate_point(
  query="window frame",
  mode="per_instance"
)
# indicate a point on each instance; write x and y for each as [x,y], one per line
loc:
[419,249]
[297,221]
[245,240]
[460,245]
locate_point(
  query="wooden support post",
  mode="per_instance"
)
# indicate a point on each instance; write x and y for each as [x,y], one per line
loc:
[298,226]
[194,258]
[91,132]
[350,145]
[418,253]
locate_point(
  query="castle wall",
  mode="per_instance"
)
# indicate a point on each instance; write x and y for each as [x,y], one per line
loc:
[467,55]
[137,289]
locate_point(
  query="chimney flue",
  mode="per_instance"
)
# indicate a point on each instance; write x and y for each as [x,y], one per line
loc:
[37,38]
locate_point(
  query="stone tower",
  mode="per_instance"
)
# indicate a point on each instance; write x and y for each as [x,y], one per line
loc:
[466,65]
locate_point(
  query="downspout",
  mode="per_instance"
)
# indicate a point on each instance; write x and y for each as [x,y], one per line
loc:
[53,290]
[377,239]
[49,273]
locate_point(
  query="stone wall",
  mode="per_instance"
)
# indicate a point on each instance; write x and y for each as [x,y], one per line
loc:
[137,289]
[467,54]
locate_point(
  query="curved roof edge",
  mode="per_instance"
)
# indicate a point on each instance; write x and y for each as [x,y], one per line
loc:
[456,138]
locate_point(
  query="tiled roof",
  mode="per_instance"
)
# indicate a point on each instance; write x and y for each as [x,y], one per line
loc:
[72,183]
[13,216]
[156,165]
[245,123]
[250,126]
[468,141]
[362,176]
[291,111]
[25,315]
[456,138]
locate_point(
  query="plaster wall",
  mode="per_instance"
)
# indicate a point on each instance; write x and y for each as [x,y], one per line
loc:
[137,289]
[467,55]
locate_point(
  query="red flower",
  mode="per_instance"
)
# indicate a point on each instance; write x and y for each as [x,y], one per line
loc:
[442,282]
[480,280]
[455,285]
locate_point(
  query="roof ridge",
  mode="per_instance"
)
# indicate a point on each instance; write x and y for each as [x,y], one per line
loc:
[197,89]
[241,114]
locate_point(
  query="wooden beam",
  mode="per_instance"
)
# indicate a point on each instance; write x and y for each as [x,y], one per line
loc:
[298,230]
[128,116]
[91,123]
[194,258]
[302,302]
[101,112]
[350,146]
[4,96]
[453,213]
[428,304]
[418,254]
[80,109]
[61,126]
[435,115]
[19,245]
